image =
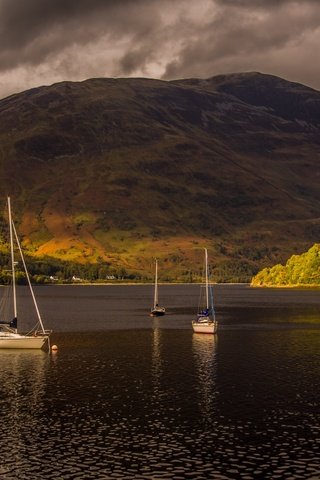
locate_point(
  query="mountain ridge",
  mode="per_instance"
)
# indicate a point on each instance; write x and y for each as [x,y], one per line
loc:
[122,170]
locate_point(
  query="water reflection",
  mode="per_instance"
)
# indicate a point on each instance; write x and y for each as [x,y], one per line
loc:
[22,390]
[130,397]
[204,350]
[22,374]
[156,358]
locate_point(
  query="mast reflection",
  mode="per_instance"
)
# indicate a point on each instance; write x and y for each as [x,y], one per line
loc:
[22,390]
[156,358]
[205,354]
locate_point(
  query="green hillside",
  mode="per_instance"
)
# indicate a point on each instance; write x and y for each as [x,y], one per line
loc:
[301,269]
[117,171]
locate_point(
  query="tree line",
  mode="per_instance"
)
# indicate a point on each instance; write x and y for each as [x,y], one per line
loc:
[301,269]
[51,270]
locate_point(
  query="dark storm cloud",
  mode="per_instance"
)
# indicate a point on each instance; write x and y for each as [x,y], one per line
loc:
[43,41]
[33,29]
[252,34]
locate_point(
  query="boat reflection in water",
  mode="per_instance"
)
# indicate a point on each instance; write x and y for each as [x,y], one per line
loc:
[22,393]
[204,349]
[156,362]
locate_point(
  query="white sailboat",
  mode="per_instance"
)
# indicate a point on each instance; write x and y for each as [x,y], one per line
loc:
[156,311]
[9,336]
[206,321]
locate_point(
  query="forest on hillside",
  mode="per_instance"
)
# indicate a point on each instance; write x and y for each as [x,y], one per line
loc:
[301,270]
[49,270]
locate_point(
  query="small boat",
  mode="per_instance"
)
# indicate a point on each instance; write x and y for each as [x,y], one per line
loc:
[206,321]
[38,337]
[156,311]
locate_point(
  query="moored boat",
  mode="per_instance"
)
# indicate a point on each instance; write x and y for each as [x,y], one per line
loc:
[206,320]
[37,337]
[156,310]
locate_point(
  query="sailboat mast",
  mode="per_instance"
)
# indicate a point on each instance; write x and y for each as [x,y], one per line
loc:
[156,286]
[12,262]
[207,280]
[28,279]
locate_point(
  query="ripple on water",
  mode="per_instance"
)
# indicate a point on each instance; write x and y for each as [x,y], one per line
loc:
[142,411]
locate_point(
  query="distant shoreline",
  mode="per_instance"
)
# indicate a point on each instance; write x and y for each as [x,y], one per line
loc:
[77,284]
[117,284]
[297,286]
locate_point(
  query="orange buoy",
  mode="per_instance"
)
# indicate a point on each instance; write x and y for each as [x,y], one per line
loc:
[54,348]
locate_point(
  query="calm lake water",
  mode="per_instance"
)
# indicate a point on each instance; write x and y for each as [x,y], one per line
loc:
[131,397]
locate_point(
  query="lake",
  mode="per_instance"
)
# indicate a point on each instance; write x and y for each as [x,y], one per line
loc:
[133,397]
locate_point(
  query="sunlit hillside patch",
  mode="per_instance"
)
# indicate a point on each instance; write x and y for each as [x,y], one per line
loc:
[303,269]
[83,218]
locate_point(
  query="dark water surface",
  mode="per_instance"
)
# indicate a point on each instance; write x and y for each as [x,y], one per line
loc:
[128,396]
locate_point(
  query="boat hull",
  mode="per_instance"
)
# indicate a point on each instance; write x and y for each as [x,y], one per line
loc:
[157,314]
[21,341]
[205,327]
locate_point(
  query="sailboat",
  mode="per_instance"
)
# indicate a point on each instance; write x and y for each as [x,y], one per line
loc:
[156,311]
[38,337]
[206,321]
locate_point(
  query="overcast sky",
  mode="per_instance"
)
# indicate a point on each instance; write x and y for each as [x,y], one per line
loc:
[47,41]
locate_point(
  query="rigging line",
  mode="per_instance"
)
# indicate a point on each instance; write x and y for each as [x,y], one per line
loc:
[28,279]
[6,301]
[12,260]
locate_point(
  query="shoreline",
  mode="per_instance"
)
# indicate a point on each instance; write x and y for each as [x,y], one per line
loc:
[81,284]
[297,286]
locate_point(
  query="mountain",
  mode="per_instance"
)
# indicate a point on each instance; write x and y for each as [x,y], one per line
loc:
[123,170]
[299,270]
